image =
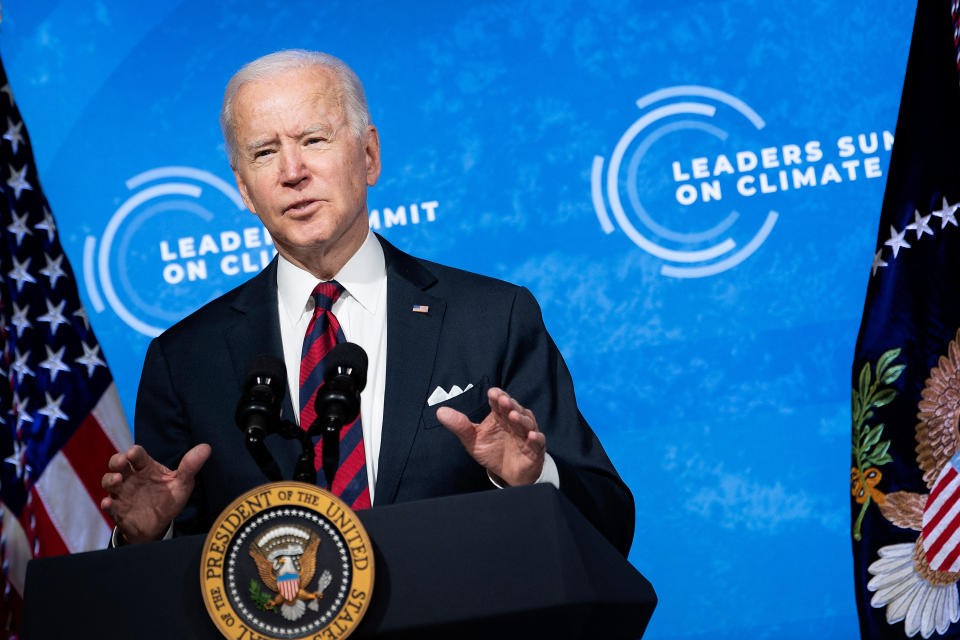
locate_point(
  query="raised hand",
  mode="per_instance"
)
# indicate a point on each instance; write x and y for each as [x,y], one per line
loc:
[145,496]
[507,443]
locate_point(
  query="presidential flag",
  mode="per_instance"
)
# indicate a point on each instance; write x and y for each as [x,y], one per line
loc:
[60,416]
[906,373]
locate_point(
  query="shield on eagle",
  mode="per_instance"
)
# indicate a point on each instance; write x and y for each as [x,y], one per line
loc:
[941,519]
[289,585]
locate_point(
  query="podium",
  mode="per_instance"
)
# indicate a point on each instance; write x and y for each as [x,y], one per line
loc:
[511,563]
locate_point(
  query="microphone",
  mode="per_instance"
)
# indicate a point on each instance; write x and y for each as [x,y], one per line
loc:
[258,411]
[338,400]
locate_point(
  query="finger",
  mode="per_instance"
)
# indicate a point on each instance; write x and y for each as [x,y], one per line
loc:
[457,422]
[507,404]
[537,440]
[106,504]
[512,414]
[522,421]
[118,462]
[111,481]
[193,460]
[138,457]
[500,402]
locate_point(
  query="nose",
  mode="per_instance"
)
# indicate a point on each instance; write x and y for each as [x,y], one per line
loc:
[293,171]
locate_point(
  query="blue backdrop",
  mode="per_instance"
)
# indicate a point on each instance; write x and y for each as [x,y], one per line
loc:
[691,190]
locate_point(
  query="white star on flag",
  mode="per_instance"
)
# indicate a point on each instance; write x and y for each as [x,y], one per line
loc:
[20,366]
[947,214]
[48,224]
[82,314]
[54,362]
[20,272]
[877,263]
[54,316]
[21,408]
[17,458]
[13,134]
[897,241]
[91,358]
[52,410]
[19,227]
[18,181]
[20,320]
[53,270]
[6,89]
[919,224]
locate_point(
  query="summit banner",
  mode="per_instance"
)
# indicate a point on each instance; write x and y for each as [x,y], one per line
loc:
[690,190]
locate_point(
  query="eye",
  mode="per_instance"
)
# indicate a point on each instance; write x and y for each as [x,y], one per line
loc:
[262,153]
[316,140]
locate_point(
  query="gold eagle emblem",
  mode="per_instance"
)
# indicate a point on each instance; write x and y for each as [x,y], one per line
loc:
[286,559]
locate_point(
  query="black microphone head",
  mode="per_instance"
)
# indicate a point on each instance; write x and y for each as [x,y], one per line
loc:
[261,395]
[267,370]
[349,359]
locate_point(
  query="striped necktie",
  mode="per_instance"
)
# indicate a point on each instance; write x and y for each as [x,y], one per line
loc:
[323,332]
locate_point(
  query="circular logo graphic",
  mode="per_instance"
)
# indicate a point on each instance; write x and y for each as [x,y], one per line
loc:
[287,560]
[667,209]
[181,238]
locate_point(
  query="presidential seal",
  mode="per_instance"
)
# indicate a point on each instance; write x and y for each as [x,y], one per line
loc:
[287,560]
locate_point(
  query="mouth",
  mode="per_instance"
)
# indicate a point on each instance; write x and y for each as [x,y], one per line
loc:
[301,206]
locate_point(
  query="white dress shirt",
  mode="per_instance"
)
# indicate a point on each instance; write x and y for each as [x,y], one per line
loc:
[362,312]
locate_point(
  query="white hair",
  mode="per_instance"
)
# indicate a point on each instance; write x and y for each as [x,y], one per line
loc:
[351,95]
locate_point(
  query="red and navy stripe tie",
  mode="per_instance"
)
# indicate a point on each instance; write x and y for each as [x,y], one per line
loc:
[323,332]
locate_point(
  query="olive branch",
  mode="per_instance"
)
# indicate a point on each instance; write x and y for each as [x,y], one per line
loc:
[260,598]
[872,391]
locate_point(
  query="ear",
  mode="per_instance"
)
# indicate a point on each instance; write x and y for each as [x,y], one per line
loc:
[244,192]
[371,149]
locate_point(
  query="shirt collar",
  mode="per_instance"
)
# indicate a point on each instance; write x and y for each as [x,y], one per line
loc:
[362,278]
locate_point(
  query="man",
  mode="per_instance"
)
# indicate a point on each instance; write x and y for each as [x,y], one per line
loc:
[303,152]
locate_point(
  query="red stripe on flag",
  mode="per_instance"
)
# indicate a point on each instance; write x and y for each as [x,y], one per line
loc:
[51,544]
[88,452]
[943,538]
[941,484]
[938,488]
[11,611]
[953,552]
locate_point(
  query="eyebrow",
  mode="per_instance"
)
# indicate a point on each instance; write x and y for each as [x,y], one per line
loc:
[259,144]
[317,128]
[309,131]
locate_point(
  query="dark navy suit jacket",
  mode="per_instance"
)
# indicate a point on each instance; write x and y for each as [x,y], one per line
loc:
[478,330]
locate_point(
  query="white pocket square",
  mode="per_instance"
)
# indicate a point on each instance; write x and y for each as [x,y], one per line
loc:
[439,395]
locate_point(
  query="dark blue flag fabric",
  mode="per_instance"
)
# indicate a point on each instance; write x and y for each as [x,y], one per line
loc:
[905,473]
[60,416]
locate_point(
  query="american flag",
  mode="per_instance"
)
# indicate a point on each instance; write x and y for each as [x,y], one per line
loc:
[60,416]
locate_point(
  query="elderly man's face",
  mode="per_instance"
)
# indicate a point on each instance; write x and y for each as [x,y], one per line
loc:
[301,169]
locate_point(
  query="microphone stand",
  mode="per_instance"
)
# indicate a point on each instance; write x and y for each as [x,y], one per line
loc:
[304,470]
[331,448]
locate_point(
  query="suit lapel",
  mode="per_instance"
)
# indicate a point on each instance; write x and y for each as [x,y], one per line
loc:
[412,339]
[255,328]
